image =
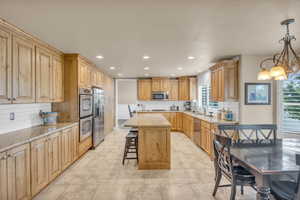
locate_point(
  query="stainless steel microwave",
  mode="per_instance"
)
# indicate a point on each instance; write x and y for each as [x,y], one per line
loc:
[160,96]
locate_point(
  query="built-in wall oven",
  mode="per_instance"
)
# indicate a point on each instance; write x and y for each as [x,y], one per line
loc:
[85,113]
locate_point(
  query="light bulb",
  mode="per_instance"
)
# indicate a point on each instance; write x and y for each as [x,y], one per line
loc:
[277,71]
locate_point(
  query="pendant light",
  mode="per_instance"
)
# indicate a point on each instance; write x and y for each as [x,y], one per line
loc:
[285,63]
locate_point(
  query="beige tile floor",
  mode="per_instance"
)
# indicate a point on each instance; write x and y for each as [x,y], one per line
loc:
[100,175]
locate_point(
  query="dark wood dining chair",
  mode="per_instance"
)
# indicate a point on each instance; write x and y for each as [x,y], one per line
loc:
[235,174]
[250,134]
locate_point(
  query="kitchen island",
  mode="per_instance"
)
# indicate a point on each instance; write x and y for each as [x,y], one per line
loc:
[153,140]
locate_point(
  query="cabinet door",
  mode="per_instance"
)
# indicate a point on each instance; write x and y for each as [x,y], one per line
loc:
[184,88]
[93,77]
[3,176]
[193,88]
[39,165]
[165,85]
[74,143]
[54,145]
[5,67]
[43,75]
[18,167]
[57,79]
[156,84]
[144,89]
[214,85]
[82,73]
[88,80]
[173,93]
[232,81]
[23,71]
[179,121]
[173,121]
[66,148]
[99,79]
[221,85]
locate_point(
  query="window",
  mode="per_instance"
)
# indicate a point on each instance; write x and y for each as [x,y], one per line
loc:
[204,97]
[289,105]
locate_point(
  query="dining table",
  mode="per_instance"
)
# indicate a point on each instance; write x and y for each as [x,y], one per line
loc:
[279,158]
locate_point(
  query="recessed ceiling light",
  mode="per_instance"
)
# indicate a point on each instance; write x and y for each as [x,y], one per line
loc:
[191,57]
[112,68]
[99,57]
[179,68]
[146,68]
[146,74]
[119,74]
[146,57]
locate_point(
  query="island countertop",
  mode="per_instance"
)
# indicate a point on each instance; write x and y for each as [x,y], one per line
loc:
[147,120]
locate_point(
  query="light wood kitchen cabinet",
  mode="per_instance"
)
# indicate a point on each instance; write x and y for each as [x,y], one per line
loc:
[39,164]
[84,73]
[144,89]
[188,125]
[99,79]
[18,170]
[5,67]
[66,154]
[57,79]
[224,81]
[54,155]
[74,143]
[43,75]
[173,120]
[160,85]
[23,70]
[173,93]
[187,88]
[3,176]
[179,121]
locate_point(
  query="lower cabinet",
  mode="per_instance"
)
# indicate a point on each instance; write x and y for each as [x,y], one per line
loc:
[50,155]
[188,125]
[18,173]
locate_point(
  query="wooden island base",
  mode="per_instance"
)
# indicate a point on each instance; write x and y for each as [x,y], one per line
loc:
[153,140]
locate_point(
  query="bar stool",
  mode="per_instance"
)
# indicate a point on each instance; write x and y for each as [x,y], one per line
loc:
[131,146]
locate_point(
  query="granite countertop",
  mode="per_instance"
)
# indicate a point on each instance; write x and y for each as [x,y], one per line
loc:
[23,136]
[213,120]
[147,120]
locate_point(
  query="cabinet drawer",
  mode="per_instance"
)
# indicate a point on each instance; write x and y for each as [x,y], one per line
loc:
[85,146]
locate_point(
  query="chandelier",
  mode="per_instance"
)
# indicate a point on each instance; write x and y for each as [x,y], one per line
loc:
[283,64]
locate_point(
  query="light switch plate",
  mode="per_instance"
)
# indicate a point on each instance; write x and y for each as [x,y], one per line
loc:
[12,116]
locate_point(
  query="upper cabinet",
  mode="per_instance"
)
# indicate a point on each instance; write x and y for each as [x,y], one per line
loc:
[224,81]
[173,93]
[160,85]
[30,70]
[5,67]
[43,75]
[23,70]
[57,79]
[144,89]
[187,88]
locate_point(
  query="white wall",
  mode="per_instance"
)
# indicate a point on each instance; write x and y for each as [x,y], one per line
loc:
[254,114]
[26,115]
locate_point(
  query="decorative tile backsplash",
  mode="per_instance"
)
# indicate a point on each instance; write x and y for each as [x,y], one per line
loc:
[26,115]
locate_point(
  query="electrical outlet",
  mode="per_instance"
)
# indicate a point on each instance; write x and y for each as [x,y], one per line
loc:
[12,116]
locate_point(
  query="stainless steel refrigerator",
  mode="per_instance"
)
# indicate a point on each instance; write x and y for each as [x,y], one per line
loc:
[98,116]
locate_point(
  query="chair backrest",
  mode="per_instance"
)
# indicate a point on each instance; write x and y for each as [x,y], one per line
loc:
[130,112]
[222,155]
[251,134]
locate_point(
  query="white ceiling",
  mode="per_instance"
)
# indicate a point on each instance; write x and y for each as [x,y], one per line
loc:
[168,31]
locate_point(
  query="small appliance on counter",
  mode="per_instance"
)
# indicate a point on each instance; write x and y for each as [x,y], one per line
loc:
[187,106]
[49,118]
[174,108]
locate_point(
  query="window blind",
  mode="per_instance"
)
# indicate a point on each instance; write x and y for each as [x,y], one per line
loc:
[290,104]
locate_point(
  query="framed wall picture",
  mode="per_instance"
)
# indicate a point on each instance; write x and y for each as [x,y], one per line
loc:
[258,93]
